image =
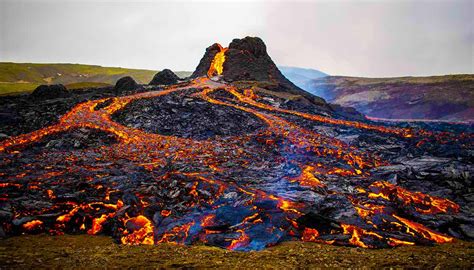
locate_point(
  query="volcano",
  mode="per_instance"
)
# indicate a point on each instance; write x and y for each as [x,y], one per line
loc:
[236,157]
[247,60]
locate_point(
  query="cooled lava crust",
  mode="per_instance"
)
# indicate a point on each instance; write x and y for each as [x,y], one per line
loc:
[180,115]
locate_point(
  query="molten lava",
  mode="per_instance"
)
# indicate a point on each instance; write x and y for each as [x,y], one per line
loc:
[210,201]
[423,203]
[217,64]
[139,231]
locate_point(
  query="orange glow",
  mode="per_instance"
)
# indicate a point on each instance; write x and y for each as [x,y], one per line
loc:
[241,241]
[368,209]
[144,233]
[217,64]
[425,232]
[249,93]
[395,242]
[423,203]
[51,194]
[310,235]
[32,225]
[176,235]
[307,178]
[356,233]
[165,212]
[97,224]
[208,220]
[4,185]
[286,205]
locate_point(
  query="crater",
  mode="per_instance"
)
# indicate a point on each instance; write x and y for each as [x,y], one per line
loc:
[181,115]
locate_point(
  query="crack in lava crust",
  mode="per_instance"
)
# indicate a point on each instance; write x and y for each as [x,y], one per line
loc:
[199,190]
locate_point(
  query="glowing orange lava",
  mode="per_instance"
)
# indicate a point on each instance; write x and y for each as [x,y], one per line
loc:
[142,232]
[31,225]
[423,203]
[217,64]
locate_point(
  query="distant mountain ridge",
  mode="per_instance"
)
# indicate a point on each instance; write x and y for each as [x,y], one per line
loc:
[301,77]
[449,97]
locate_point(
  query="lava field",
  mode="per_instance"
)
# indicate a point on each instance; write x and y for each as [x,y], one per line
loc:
[205,161]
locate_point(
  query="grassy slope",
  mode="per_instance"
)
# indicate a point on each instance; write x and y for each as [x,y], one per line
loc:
[449,97]
[83,251]
[24,77]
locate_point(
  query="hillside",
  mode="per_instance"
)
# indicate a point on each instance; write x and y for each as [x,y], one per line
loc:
[301,77]
[24,77]
[449,97]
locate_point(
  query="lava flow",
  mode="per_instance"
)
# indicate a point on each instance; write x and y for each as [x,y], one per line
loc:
[281,182]
[217,64]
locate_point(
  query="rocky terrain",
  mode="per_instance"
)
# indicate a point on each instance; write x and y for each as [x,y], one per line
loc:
[236,157]
[449,98]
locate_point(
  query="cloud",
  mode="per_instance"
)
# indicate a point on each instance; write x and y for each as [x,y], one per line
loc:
[359,38]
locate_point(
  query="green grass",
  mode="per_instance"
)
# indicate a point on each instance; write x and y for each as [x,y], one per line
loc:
[24,77]
[80,85]
[16,88]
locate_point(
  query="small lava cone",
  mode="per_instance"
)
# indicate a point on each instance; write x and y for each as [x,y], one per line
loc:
[164,77]
[125,84]
[50,91]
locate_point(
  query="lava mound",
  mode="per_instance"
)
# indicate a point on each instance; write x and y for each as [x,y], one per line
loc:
[165,77]
[125,84]
[50,91]
[187,117]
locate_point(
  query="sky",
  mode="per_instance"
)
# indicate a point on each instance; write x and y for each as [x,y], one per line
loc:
[355,38]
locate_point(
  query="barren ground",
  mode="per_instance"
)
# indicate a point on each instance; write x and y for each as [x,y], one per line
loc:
[82,251]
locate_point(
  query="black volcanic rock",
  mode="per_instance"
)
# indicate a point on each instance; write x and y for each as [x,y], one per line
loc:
[188,118]
[165,77]
[125,84]
[205,63]
[50,91]
[247,59]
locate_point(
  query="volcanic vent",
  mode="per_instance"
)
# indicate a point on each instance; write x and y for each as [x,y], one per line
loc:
[247,60]
[290,171]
